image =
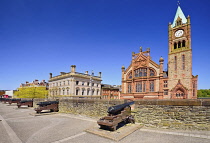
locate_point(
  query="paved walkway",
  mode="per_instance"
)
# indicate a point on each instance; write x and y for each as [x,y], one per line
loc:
[21,126]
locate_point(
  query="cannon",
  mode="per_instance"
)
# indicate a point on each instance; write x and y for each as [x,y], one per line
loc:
[7,100]
[28,103]
[14,100]
[116,114]
[47,105]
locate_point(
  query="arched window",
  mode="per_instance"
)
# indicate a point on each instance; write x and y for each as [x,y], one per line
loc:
[183,62]
[67,90]
[88,91]
[152,73]
[97,91]
[151,86]
[175,63]
[93,91]
[129,88]
[179,44]
[83,91]
[183,43]
[130,75]
[77,91]
[63,91]
[140,72]
[139,86]
[175,45]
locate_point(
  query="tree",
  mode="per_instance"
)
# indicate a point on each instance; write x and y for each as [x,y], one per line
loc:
[31,92]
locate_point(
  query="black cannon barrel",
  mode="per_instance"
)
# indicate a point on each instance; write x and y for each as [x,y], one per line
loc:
[47,103]
[23,101]
[117,108]
[15,99]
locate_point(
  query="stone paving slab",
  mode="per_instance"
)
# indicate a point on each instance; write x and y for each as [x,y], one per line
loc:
[114,135]
[43,113]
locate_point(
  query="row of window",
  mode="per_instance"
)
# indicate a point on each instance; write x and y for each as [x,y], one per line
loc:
[183,62]
[77,83]
[141,72]
[141,87]
[179,44]
[78,92]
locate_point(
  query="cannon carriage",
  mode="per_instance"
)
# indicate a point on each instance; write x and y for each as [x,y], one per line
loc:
[14,100]
[28,103]
[116,114]
[47,105]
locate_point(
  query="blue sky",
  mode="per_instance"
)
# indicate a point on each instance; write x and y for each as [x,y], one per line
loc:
[42,36]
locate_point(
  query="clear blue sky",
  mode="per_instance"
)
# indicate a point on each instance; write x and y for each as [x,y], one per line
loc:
[42,36]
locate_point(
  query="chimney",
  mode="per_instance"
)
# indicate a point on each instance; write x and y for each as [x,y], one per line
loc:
[50,75]
[73,68]
[99,74]
[62,73]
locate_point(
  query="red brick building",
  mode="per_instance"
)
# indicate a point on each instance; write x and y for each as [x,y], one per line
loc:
[145,79]
[110,92]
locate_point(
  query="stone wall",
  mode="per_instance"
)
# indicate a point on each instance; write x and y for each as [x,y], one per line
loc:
[89,107]
[173,114]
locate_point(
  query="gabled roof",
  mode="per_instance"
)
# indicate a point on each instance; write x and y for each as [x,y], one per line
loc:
[179,14]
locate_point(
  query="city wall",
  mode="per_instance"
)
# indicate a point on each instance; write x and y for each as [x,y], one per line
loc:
[173,114]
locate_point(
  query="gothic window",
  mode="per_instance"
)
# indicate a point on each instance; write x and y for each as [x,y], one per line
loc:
[93,91]
[183,62]
[165,92]
[130,75]
[63,82]
[151,86]
[136,73]
[178,23]
[88,84]
[175,45]
[179,44]
[183,43]
[83,83]
[144,86]
[175,63]
[140,72]
[139,87]
[152,73]
[97,92]
[129,88]
[165,83]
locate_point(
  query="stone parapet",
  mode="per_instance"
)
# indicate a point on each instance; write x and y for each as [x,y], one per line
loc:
[168,114]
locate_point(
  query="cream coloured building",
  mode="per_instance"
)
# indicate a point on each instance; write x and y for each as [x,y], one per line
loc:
[73,84]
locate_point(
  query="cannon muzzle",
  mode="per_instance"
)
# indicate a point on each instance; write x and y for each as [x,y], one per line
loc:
[118,108]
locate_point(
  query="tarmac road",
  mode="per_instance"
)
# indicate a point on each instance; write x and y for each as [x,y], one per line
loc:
[22,126]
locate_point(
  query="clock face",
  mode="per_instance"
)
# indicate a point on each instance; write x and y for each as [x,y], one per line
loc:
[179,33]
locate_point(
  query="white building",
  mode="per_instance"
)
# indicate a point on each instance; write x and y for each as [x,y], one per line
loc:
[74,84]
[10,93]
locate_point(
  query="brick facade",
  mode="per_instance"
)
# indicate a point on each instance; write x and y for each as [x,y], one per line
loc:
[145,79]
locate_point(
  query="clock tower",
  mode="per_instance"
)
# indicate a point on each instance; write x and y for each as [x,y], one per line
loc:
[181,83]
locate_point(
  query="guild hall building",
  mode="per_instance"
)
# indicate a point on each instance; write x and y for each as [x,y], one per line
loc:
[146,79]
